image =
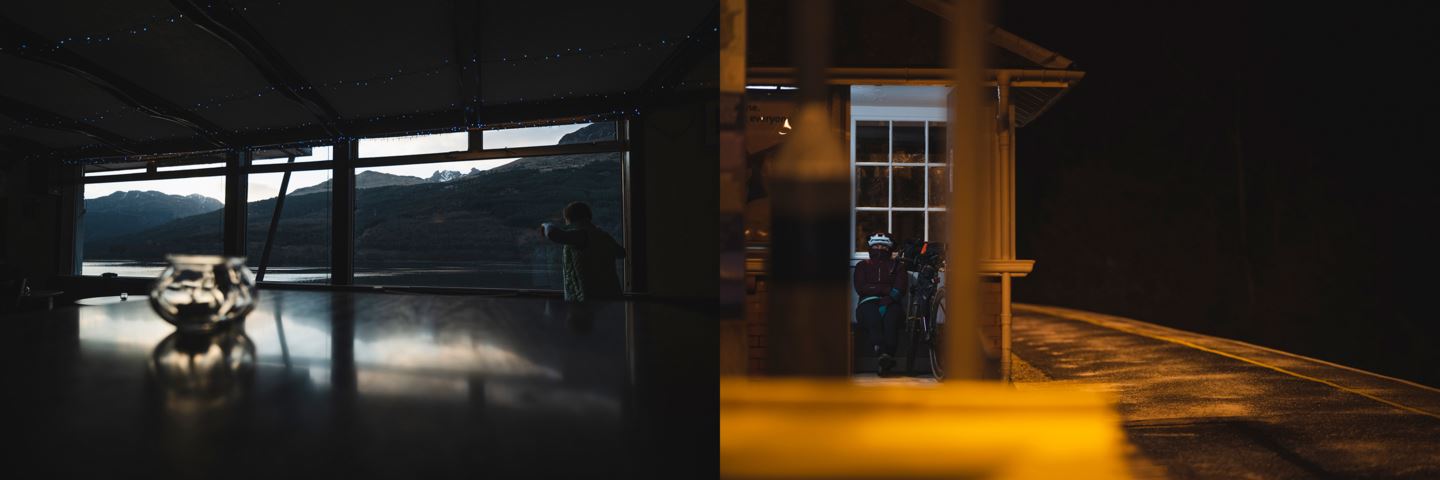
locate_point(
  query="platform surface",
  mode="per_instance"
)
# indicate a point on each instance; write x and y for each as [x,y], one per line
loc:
[1196,406]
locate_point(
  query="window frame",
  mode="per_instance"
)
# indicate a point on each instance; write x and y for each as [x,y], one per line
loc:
[291,167]
[345,161]
[890,115]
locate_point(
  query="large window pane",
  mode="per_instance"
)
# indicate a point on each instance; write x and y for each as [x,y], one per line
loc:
[413,145]
[418,225]
[908,226]
[937,227]
[909,187]
[129,227]
[548,135]
[867,224]
[938,137]
[872,142]
[872,188]
[909,144]
[939,186]
[300,250]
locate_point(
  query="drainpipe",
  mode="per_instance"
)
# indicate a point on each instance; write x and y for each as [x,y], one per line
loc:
[1003,215]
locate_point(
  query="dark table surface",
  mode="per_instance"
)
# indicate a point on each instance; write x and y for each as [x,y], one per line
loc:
[92,301]
[325,384]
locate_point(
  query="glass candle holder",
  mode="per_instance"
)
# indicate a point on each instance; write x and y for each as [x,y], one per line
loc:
[199,293]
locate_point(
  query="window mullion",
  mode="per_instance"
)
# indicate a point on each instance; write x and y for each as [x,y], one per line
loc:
[925,178]
[890,176]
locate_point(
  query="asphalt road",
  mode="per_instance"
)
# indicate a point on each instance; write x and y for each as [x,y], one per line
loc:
[1196,406]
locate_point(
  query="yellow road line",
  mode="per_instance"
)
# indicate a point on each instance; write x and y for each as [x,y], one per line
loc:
[1061,311]
[1332,364]
[1134,331]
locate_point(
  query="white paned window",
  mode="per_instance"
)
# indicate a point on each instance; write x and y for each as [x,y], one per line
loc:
[898,176]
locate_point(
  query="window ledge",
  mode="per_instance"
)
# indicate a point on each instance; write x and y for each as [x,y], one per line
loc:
[1016,268]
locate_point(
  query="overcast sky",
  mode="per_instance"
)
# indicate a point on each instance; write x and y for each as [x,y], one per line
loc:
[267,185]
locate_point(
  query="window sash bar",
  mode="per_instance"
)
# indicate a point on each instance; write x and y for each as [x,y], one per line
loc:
[900,209]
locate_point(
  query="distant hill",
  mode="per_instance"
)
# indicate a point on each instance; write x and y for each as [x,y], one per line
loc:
[595,132]
[124,212]
[365,179]
[592,133]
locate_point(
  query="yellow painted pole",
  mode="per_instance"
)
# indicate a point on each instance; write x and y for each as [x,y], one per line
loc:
[963,350]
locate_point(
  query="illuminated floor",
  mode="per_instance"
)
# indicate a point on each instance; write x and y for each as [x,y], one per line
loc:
[1202,407]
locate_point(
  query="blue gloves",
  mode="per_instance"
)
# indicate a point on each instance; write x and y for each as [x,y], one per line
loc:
[886,301]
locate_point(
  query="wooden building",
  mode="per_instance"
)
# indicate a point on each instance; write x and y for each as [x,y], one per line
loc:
[888,102]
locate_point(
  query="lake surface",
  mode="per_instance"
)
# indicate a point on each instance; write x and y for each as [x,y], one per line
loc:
[431,274]
[130,268]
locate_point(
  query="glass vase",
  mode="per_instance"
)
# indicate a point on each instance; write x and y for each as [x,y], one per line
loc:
[200,293]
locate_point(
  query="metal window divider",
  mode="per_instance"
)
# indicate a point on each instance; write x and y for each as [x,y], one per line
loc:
[274,223]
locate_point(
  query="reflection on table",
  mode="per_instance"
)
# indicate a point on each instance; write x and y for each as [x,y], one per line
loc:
[371,382]
[96,301]
[46,295]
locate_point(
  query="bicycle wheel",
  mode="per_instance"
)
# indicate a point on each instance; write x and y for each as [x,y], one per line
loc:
[915,329]
[935,326]
[915,311]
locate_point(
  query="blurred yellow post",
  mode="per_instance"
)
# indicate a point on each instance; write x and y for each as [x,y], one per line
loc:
[795,428]
[733,352]
[810,214]
[963,351]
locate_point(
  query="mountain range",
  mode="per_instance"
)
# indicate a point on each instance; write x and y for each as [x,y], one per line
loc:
[126,212]
[449,218]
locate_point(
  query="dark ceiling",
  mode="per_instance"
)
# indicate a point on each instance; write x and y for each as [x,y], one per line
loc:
[893,34]
[91,78]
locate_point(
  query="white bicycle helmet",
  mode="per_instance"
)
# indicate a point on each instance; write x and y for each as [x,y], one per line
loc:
[881,239]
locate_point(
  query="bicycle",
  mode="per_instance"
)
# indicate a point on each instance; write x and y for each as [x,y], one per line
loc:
[925,312]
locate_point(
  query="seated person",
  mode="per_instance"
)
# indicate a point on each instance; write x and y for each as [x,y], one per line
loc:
[880,281]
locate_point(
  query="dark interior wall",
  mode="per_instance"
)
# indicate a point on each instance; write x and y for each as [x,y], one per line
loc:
[1260,183]
[867,33]
[33,198]
[681,188]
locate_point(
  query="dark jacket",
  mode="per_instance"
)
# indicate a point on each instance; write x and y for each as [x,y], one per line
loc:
[589,261]
[880,279]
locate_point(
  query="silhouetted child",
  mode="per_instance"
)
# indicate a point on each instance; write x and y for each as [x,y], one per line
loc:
[590,254]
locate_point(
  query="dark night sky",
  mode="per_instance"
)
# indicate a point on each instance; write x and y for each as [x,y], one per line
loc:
[1260,172]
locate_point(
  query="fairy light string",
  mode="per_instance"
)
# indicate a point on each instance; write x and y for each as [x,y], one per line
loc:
[444,66]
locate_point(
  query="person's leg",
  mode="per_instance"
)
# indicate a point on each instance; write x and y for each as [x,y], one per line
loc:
[869,315]
[891,325]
